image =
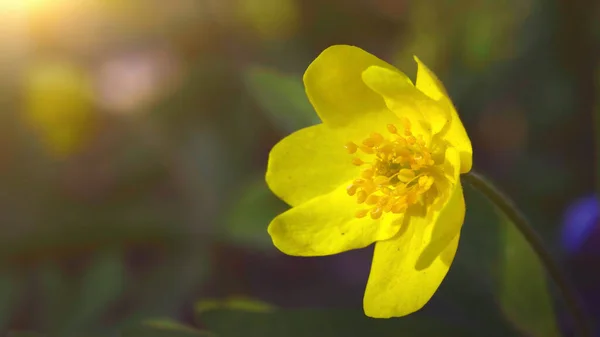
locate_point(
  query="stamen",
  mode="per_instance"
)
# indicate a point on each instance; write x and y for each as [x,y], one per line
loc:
[376,213]
[378,138]
[361,197]
[392,129]
[368,173]
[351,189]
[351,147]
[370,142]
[366,149]
[399,208]
[406,175]
[361,213]
[380,180]
[383,200]
[397,177]
[372,199]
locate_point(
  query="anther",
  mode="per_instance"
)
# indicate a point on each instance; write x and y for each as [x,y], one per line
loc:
[351,147]
[403,152]
[429,183]
[411,140]
[366,149]
[361,213]
[406,175]
[357,161]
[383,200]
[378,138]
[370,142]
[399,160]
[401,141]
[376,213]
[380,180]
[367,174]
[392,128]
[358,181]
[372,199]
[398,207]
[361,197]
[351,189]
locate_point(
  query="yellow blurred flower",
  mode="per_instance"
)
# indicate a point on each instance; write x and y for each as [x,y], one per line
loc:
[382,167]
[59,106]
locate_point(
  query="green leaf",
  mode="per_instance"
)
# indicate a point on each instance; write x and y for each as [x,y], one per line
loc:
[498,257]
[243,304]
[325,323]
[281,97]
[100,287]
[249,216]
[524,296]
[164,327]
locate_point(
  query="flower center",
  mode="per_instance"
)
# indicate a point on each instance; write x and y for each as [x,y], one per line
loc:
[397,177]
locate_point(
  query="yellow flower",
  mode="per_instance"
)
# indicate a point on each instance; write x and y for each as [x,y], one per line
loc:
[59,106]
[383,167]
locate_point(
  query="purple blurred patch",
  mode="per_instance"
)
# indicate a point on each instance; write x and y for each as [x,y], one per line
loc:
[581,240]
[581,225]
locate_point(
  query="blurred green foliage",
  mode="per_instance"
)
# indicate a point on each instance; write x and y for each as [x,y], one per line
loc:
[523,292]
[157,202]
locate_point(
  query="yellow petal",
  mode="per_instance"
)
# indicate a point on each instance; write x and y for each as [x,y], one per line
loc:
[403,98]
[431,86]
[313,161]
[448,173]
[407,269]
[326,225]
[450,198]
[428,82]
[308,163]
[335,88]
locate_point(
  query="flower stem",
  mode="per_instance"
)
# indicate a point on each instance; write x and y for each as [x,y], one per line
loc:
[501,201]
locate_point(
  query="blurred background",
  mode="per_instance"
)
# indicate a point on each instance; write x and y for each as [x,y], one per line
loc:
[134,136]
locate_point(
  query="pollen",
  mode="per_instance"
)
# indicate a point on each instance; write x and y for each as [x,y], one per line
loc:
[398,176]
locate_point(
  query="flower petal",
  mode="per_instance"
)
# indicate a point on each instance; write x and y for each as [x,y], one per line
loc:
[326,225]
[407,269]
[335,88]
[403,98]
[312,161]
[308,163]
[455,133]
